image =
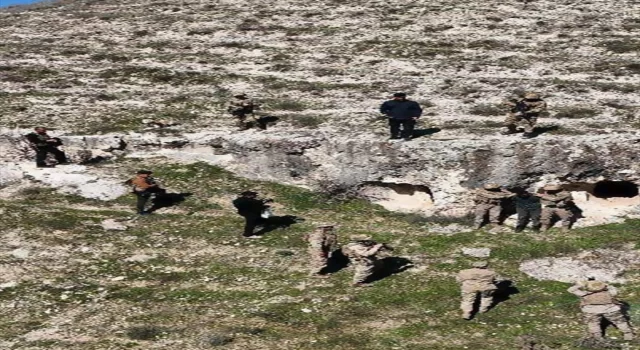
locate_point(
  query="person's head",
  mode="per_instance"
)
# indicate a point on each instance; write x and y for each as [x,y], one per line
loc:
[40,130]
[144,173]
[531,96]
[325,227]
[240,95]
[492,187]
[399,96]
[480,264]
[249,194]
[552,188]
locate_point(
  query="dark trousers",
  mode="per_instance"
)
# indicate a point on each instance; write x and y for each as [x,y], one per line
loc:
[143,199]
[407,128]
[251,221]
[526,214]
[41,155]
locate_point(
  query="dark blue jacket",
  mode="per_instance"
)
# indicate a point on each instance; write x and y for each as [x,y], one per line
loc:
[401,109]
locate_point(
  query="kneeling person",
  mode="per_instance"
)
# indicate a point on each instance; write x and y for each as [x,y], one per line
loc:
[362,252]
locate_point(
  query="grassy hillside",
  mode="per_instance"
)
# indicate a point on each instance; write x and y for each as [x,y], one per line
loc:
[184,279]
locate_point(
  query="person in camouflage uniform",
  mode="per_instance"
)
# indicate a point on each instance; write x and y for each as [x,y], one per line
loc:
[524,112]
[528,209]
[489,202]
[240,106]
[598,302]
[555,202]
[322,242]
[478,280]
[362,251]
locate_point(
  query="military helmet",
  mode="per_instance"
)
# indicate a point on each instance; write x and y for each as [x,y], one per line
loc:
[239,94]
[552,188]
[480,264]
[249,193]
[595,286]
[400,94]
[360,237]
[491,186]
[531,96]
[147,172]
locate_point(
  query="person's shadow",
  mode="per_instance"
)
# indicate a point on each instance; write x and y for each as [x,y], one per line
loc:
[390,266]
[543,129]
[425,132]
[336,262]
[165,200]
[263,122]
[277,222]
[504,292]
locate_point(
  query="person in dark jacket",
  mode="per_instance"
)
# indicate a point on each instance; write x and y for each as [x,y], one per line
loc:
[251,208]
[402,113]
[44,144]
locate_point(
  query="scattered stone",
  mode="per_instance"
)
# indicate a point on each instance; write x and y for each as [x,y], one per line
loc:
[477,252]
[283,299]
[118,278]
[10,284]
[218,339]
[449,229]
[20,253]
[113,225]
[140,258]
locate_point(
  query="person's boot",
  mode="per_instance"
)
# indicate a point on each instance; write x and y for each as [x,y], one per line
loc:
[466,315]
[535,229]
[518,229]
[544,228]
[45,166]
[509,130]
[628,336]
[477,226]
[564,229]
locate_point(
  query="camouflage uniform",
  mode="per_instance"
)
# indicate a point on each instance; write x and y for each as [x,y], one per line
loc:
[362,257]
[322,241]
[474,281]
[555,201]
[597,301]
[489,201]
[527,115]
[240,106]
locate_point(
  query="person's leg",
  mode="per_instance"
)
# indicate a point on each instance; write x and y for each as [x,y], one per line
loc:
[534,214]
[545,218]
[620,321]
[408,127]
[141,203]
[61,158]
[466,303]
[510,123]
[362,272]
[523,218]
[486,300]
[565,216]
[480,214]
[394,128]
[494,214]
[594,325]
[250,223]
[41,156]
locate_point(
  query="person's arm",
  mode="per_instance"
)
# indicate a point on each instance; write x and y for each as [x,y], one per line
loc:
[577,290]
[537,108]
[385,108]
[417,110]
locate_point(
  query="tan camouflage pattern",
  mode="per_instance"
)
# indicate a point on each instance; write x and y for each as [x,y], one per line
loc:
[476,282]
[322,241]
[240,108]
[555,205]
[600,305]
[617,318]
[488,203]
[363,259]
[529,119]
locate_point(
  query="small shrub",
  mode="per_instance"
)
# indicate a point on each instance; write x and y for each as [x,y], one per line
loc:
[623,46]
[219,339]
[288,105]
[145,332]
[576,112]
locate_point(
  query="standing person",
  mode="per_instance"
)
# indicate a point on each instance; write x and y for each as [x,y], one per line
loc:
[240,106]
[489,203]
[401,113]
[251,208]
[555,202]
[362,251]
[525,112]
[528,209]
[598,303]
[322,242]
[478,280]
[44,144]
[144,187]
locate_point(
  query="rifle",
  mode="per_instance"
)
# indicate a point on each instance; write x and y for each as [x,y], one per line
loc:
[520,108]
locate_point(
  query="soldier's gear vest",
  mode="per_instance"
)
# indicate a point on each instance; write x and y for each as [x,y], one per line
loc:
[477,279]
[351,251]
[598,298]
[558,200]
[489,197]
